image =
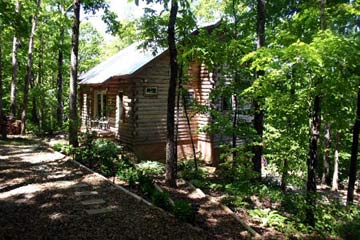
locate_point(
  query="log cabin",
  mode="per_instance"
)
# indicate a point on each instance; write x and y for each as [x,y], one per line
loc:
[126,95]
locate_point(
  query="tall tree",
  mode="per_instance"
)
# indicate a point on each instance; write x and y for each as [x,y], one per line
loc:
[2,116]
[28,77]
[90,46]
[59,82]
[335,178]
[354,152]
[314,139]
[326,172]
[73,115]
[258,112]
[14,62]
[171,148]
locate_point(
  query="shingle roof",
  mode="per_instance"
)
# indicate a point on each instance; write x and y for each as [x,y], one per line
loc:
[126,62]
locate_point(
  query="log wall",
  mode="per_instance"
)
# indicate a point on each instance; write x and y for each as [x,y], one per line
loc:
[143,125]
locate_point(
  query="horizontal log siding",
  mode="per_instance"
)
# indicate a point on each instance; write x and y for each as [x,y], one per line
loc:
[206,84]
[151,111]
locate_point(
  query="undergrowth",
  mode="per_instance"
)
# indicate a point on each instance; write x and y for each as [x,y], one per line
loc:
[270,207]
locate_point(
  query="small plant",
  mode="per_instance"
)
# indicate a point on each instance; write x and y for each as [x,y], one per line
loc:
[184,211]
[127,172]
[87,157]
[151,168]
[146,185]
[87,139]
[269,217]
[69,150]
[58,147]
[107,154]
[161,199]
[187,171]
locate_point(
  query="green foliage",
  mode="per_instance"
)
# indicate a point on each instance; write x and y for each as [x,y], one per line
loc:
[350,229]
[58,147]
[146,185]
[99,154]
[187,170]
[107,153]
[69,150]
[184,211]
[127,172]
[269,217]
[151,168]
[90,42]
[161,199]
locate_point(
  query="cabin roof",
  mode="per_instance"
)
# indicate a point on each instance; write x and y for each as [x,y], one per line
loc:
[124,63]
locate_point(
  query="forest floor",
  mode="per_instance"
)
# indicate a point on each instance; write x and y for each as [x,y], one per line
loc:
[45,196]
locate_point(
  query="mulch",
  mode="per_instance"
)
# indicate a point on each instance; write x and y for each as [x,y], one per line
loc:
[38,201]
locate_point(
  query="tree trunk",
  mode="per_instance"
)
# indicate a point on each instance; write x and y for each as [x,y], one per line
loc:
[190,133]
[3,122]
[171,148]
[312,163]
[60,106]
[314,139]
[234,133]
[73,117]
[14,64]
[284,175]
[326,179]
[258,112]
[354,154]
[34,110]
[335,179]
[40,78]
[28,77]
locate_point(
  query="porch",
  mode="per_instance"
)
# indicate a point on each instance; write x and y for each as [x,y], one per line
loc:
[100,127]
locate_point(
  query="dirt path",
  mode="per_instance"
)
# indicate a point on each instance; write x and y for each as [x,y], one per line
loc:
[44,196]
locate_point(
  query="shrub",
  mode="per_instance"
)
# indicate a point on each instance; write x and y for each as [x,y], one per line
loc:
[161,199]
[146,185]
[127,172]
[69,150]
[58,147]
[87,157]
[151,168]
[107,154]
[86,139]
[187,171]
[184,211]
[269,217]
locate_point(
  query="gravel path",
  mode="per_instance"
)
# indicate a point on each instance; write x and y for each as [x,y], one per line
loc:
[45,196]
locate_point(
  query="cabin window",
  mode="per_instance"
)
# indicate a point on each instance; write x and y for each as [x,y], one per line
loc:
[151,91]
[226,103]
[189,98]
[101,105]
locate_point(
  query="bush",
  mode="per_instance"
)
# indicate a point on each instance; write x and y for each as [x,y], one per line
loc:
[351,230]
[87,157]
[184,211]
[146,185]
[187,171]
[161,199]
[269,218]
[58,147]
[100,155]
[151,168]
[69,150]
[127,172]
[107,154]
